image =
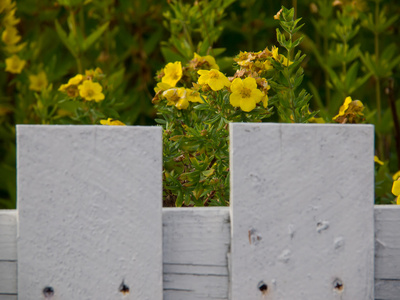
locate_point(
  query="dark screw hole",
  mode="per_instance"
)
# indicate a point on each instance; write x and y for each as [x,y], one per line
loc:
[123,288]
[48,291]
[262,286]
[338,285]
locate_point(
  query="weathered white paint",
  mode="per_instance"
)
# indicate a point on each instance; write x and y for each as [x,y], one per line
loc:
[302,200]
[387,243]
[8,232]
[8,255]
[195,259]
[89,209]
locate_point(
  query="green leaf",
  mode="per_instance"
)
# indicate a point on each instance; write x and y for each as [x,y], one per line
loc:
[170,55]
[89,41]
[179,199]
[66,41]
[208,173]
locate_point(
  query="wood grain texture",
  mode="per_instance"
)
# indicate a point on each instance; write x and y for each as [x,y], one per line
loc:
[188,260]
[8,297]
[8,232]
[387,252]
[8,277]
[195,246]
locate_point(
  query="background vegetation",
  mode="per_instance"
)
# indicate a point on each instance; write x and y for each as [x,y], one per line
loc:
[352,50]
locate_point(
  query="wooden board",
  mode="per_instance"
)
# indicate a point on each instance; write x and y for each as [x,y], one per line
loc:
[89,209]
[302,200]
[195,244]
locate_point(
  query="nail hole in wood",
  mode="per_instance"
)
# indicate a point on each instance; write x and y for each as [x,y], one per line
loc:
[263,287]
[123,288]
[48,292]
[338,285]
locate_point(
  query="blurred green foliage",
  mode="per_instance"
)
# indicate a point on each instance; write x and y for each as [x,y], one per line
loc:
[352,49]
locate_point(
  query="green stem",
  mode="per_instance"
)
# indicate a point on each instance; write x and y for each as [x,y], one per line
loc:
[291,91]
[376,44]
[327,89]
[206,29]
[74,31]
[378,82]
[294,4]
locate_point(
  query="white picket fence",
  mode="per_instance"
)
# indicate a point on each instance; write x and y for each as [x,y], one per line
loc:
[301,223]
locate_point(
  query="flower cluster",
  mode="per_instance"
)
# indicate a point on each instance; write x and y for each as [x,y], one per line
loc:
[197,101]
[10,37]
[350,112]
[245,89]
[85,86]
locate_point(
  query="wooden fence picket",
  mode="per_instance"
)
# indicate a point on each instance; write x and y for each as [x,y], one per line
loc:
[302,211]
[89,212]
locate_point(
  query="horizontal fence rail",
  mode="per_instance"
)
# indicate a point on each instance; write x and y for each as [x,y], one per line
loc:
[196,243]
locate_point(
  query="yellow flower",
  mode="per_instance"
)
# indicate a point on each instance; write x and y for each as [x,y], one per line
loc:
[10,36]
[193,96]
[378,161]
[91,74]
[343,108]
[214,78]
[279,57]
[396,190]
[90,90]
[176,97]
[350,111]
[208,59]
[4,4]
[264,100]
[396,175]
[113,122]
[161,86]
[38,82]
[75,80]
[159,89]
[172,73]
[275,54]
[10,19]
[245,94]
[71,88]
[316,120]
[267,65]
[15,48]
[14,64]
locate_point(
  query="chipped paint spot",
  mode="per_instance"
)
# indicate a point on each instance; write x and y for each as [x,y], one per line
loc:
[254,237]
[263,287]
[322,225]
[123,288]
[338,285]
[48,292]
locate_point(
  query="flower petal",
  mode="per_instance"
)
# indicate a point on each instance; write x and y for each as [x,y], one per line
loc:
[235,99]
[237,85]
[396,188]
[247,104]
[250,83]
[216,84]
